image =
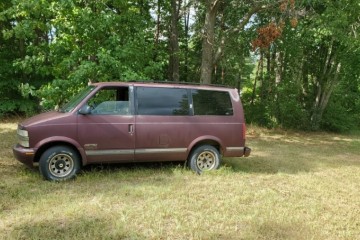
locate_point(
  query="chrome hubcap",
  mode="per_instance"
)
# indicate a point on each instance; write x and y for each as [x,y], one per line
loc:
[206,160]
[61,165]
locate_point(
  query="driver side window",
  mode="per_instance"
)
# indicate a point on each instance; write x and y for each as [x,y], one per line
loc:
[110,101]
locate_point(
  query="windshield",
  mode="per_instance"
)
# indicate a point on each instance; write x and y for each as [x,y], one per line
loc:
[74,101]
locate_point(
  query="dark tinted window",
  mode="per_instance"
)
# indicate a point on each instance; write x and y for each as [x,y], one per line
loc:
[162,101]
[211,103]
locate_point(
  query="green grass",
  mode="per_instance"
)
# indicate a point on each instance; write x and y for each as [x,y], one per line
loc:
[294,186]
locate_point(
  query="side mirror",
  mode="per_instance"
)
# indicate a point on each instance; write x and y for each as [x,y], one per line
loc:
[85,110]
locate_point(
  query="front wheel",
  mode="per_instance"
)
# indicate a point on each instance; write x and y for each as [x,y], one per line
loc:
[59,163]
[204,158]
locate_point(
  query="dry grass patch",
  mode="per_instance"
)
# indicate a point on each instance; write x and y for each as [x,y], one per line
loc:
[294,186]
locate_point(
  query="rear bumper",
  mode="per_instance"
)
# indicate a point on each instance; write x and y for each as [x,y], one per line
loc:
[24,155]
[247,151]
[237,152]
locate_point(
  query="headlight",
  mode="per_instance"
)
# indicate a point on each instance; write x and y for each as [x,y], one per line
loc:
[23,137]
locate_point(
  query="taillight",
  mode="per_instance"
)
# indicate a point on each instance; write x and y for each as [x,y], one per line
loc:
[244,131]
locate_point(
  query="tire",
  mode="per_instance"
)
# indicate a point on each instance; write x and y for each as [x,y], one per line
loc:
[59,163]
[204,158]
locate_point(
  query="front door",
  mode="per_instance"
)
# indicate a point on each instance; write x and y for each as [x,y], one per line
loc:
[107,133]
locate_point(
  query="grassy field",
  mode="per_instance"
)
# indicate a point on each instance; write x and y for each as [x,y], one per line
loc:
[294,186]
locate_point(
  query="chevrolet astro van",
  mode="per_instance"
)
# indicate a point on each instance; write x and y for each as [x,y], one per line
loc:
[116,122]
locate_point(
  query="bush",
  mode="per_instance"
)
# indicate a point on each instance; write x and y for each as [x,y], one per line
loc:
[337,118]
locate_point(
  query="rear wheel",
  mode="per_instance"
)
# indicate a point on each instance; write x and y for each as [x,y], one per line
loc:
[204,158]
[59,163]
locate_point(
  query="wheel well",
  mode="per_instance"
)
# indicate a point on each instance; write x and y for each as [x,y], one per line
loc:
[207,142]
[44,147]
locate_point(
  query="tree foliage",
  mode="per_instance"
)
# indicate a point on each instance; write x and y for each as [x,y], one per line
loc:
[302,71]
[295,62]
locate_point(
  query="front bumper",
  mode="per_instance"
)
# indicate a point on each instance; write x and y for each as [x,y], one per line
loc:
[24,155]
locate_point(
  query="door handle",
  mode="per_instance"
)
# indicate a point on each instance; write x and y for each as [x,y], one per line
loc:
[131,128]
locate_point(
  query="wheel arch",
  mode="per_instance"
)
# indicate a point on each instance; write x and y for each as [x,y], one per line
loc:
[206,140]
[48,144]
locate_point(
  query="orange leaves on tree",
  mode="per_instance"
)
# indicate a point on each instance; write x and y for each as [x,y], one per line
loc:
[293,22]
[287,5]
[292,3]
[283,6]
[267,35]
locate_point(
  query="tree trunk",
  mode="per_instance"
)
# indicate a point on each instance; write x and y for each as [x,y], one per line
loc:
[322,99]
[257,76]
[186,29]
[157,31]
[279,69]
[208,60]
[208,41]
[325,85]
[174,73]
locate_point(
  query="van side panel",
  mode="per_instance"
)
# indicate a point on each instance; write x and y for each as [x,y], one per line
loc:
[169,138]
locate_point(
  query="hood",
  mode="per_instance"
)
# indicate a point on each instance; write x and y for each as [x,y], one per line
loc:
[48,117]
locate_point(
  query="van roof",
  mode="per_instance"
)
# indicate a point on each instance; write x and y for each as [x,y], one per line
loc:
[166,84]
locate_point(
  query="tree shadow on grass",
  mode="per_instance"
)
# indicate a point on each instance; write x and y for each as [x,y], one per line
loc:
[73,227]
[268,166]
[285,230]
[273,165]
[146,168]
[294,157]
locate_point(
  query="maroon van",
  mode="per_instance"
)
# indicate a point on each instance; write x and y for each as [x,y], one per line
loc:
[135,122]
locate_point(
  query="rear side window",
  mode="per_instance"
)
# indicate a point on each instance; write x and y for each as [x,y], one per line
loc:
[162,101]
[207,102]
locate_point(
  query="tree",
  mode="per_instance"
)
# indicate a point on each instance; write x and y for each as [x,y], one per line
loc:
[332,39]
[68,43]
[286,56]
[208,40]
[25,36]
[174,62]
[211,55]
[305,66]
